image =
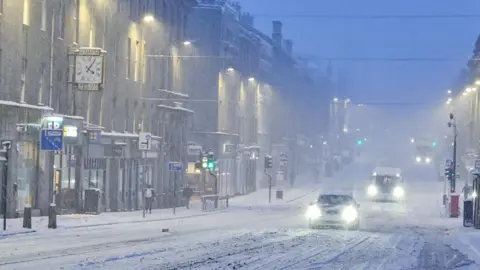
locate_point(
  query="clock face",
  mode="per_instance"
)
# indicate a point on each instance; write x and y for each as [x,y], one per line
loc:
[88,69]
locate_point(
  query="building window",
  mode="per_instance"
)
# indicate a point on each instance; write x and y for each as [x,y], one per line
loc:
[26,12]
[76,15]
[129,55]
[61,21]
[41,84]
[132,9]
[137,62]
[144,63]
[43,18]
[23,79]
[115,59]
[1,60]
[90,38]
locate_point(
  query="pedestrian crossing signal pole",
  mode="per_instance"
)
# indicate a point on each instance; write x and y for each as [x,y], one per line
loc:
[269,165]
[452,176]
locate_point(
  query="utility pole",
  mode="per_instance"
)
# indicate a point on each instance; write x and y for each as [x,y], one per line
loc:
[454,198]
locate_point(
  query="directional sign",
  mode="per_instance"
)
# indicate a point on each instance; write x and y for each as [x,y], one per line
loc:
[145,141]
[51,140]
[175,166]
[477,164]
[448,163]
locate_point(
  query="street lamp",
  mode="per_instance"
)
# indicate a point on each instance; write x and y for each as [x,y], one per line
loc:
[230,69]
[335,99]
[251,79]
[449,92]
[187,43]
[148,18]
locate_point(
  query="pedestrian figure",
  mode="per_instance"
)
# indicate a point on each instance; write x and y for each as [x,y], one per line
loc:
[187,194]
[149,198]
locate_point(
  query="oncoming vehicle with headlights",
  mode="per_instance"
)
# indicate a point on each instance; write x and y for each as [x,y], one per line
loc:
[386,185]
[333,210]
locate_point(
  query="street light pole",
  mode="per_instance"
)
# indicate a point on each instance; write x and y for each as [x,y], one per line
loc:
[452,124]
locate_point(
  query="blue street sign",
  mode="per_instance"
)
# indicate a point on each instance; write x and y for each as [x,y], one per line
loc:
[175,166]
[51,140]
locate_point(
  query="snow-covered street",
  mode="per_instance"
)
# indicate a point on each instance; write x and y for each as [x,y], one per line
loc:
[252,234]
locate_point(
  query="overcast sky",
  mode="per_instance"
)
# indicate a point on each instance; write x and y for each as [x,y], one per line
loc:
[350,38]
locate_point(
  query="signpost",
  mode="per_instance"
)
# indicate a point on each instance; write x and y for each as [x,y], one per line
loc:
[51,134]
[175,167]
[145,141]
[477,165]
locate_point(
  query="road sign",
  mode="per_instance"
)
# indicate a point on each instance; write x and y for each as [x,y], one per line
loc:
[283,157]
[51,140]
[175,166]
[448,163]
[477,164]
[144,141]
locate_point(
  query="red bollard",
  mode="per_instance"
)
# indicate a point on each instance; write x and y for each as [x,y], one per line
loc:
[454,205]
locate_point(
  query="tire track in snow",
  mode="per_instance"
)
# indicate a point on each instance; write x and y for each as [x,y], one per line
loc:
[290,259]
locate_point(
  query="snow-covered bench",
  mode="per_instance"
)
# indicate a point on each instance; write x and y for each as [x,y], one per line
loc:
[208,202]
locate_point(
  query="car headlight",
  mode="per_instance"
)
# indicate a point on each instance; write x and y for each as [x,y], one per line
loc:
[372,190]
[428,160]
[398,192]
[349,214]
[418,159]
[313,212]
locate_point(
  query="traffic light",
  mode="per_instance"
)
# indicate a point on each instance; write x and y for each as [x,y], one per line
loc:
[268,162]
[359,142]
[434,144]
[210,160]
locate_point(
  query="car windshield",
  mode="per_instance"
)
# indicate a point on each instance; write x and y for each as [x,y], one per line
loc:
[335,199]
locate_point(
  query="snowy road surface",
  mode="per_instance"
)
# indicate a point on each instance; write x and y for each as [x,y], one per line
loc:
[254,235]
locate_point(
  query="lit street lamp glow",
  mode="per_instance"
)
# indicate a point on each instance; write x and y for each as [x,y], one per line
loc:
[468,89]
[449,92]
[148,18]
[477,82]
[251,79]
[187,43]
[335,99]
[230,69]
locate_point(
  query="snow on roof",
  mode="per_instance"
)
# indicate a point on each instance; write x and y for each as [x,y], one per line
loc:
[180,109]
[119,135]
[25,105]
[337,192]
[387,170]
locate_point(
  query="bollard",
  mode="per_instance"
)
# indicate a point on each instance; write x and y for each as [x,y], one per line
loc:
[52,216]
[27,216]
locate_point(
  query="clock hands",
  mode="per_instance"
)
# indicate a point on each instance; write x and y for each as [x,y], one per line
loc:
[89,68]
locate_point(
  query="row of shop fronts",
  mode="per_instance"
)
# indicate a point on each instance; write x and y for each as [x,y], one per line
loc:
[112,163]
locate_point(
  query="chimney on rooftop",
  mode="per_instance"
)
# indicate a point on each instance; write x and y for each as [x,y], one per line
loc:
[289,46]
[247,19]
[277,36]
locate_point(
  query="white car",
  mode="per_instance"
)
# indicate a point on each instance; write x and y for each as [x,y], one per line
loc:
[423,159]
[334,210]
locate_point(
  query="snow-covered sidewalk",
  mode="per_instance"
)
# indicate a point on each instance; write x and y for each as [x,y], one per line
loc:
[257,200]
[14,226]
